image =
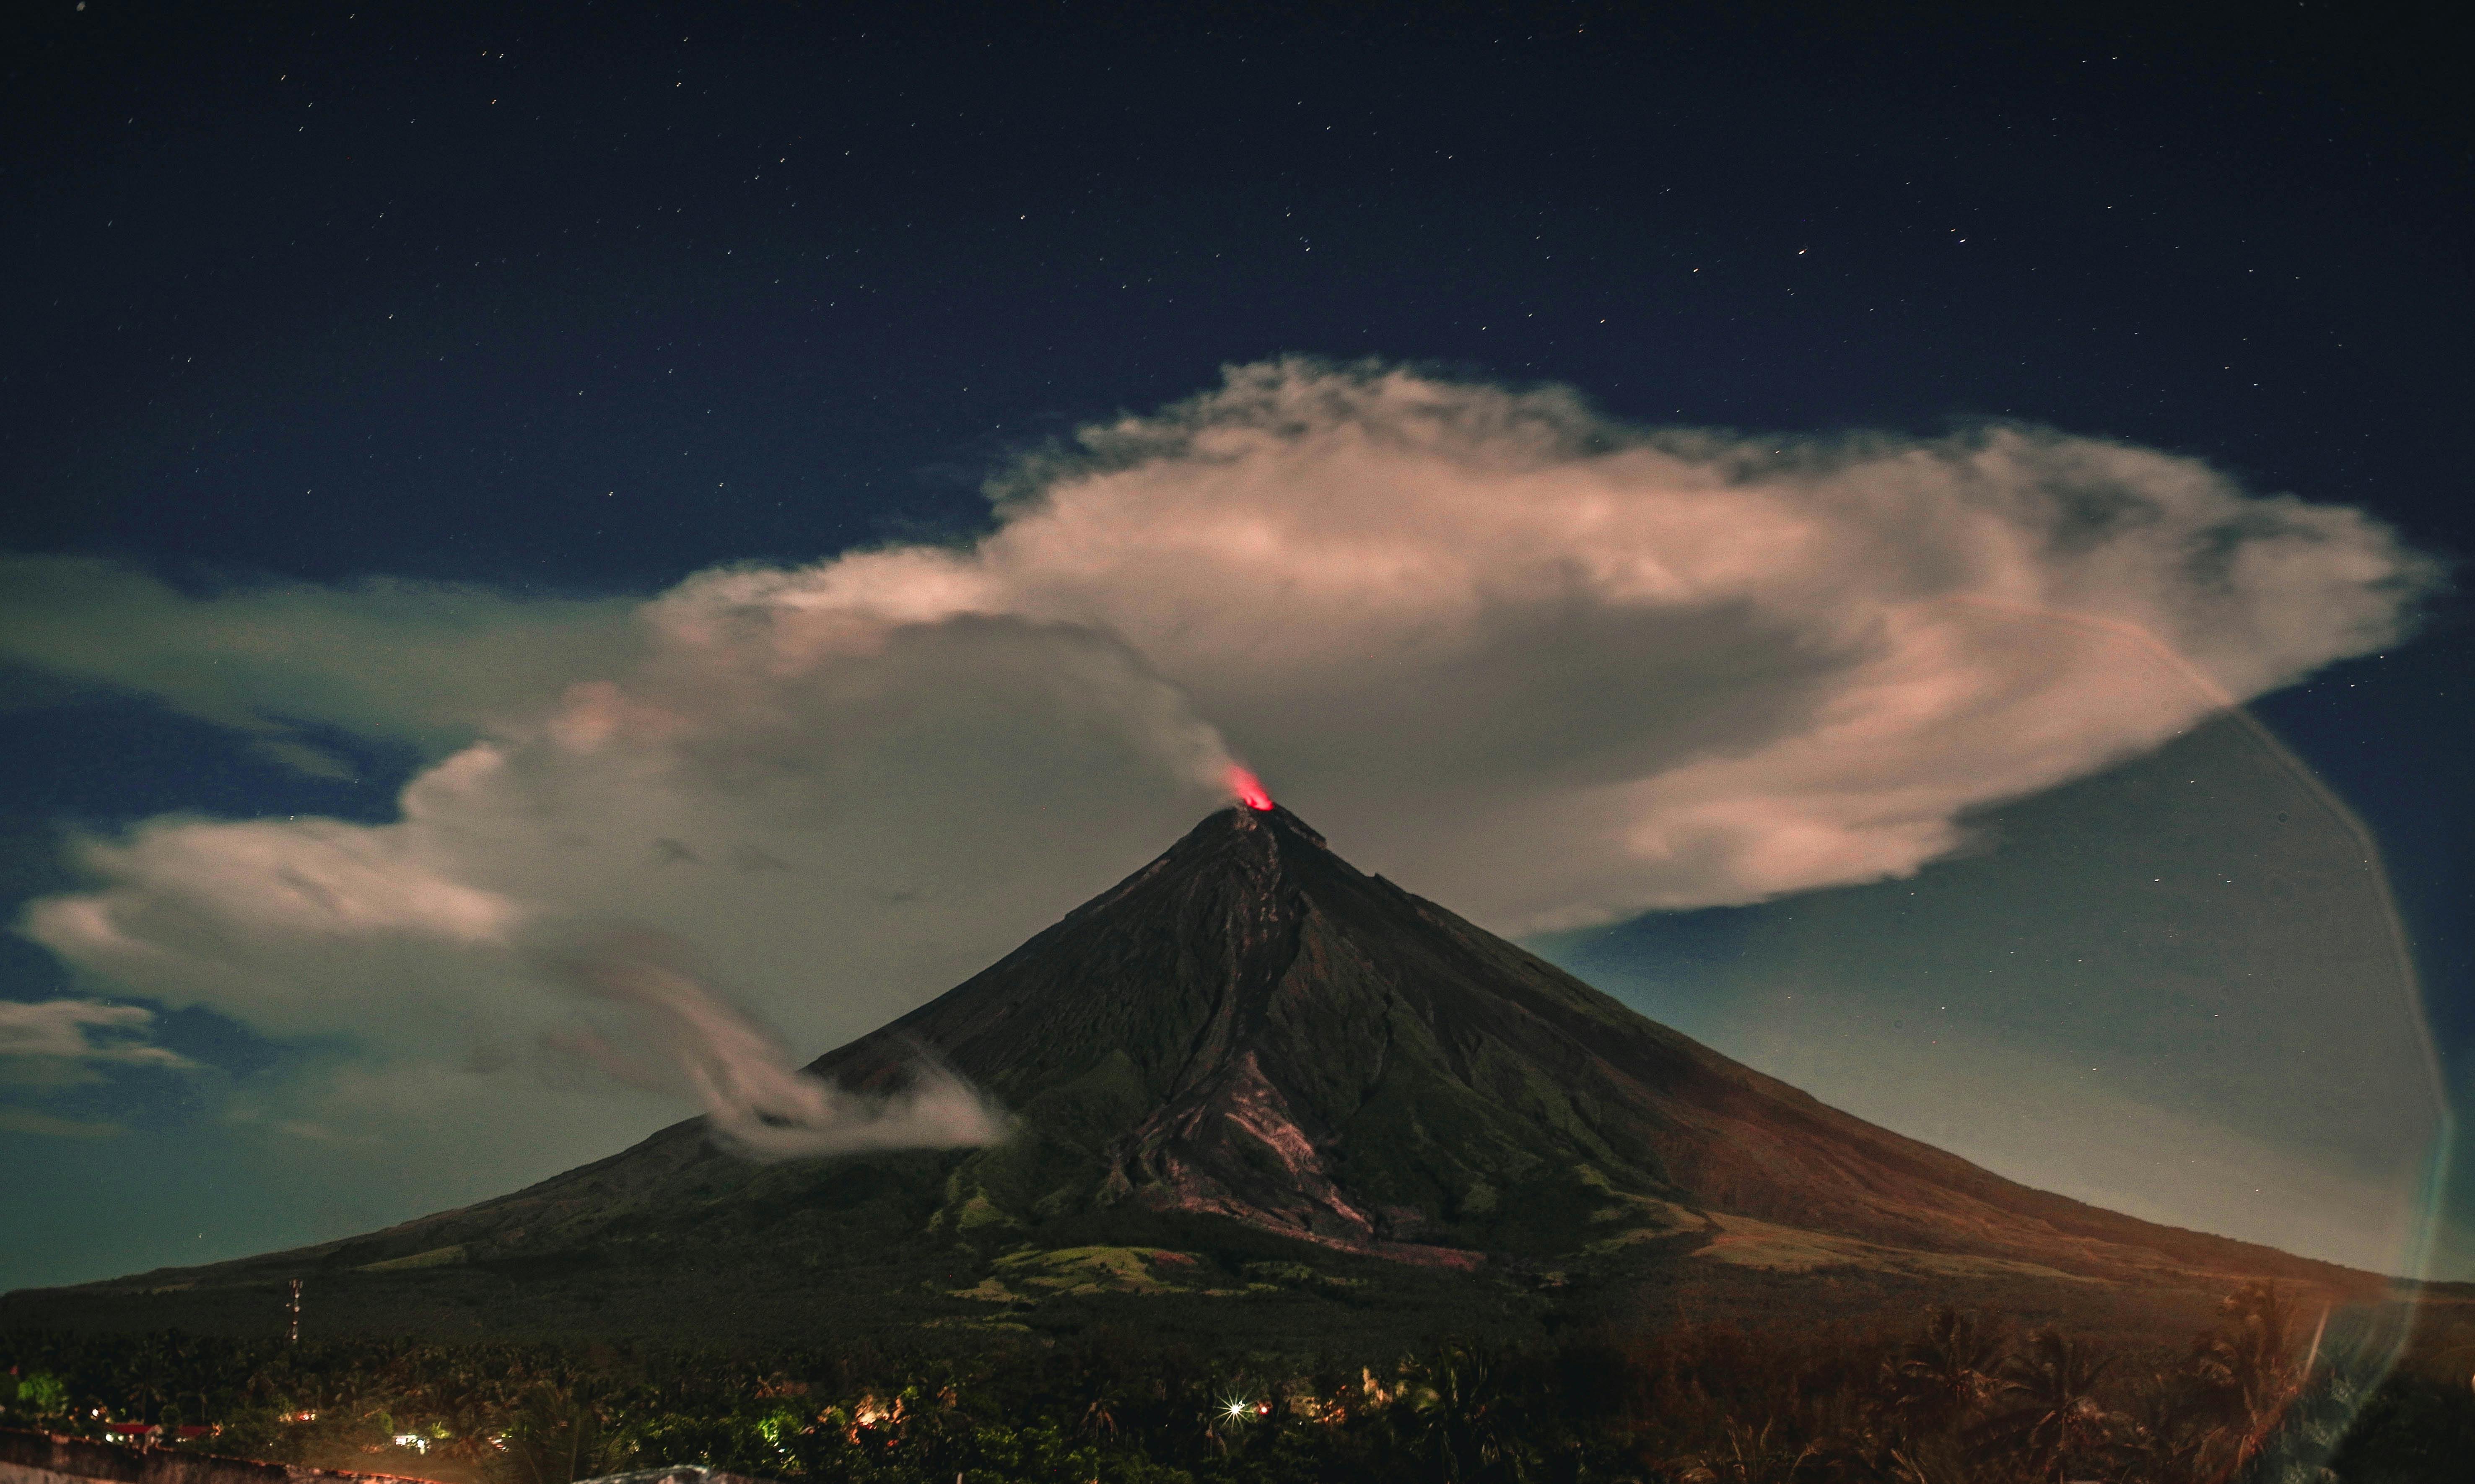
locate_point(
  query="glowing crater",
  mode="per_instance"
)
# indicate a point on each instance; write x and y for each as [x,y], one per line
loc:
[1248,788]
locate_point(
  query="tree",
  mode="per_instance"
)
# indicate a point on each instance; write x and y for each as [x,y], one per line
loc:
[42,1394]
[1943,1375]
[1459,1414]
[2046,1410]
[2246,1372]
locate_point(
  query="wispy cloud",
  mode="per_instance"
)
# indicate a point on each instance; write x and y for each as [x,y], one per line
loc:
[24,1120]
[64,1043]
[68,1029]
[680,1032]
[432,664]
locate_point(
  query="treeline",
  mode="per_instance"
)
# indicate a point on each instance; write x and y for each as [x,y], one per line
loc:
[1957,1399]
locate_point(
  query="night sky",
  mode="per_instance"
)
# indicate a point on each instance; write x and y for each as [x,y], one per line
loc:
[564,306]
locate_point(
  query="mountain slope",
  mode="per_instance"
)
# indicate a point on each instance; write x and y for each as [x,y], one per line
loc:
[1250,1027]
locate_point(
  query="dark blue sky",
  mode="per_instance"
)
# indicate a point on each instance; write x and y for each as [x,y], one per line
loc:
[586,298]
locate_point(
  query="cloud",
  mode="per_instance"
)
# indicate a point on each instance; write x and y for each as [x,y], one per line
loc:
[59,1030]
[1561,669]
[429,663]
[1547,668]
[754,1096]
[58,1044]
[21,1120]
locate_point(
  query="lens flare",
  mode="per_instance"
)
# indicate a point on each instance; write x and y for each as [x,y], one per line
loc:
[1248,788]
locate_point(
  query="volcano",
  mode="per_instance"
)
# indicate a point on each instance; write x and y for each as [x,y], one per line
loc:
[1248,1081]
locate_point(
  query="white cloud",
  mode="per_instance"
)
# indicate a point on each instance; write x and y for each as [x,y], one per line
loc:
[62,1030]
[1561,670]
[1545,667]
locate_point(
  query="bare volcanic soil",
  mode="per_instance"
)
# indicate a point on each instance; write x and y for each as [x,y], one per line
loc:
[1263,1100]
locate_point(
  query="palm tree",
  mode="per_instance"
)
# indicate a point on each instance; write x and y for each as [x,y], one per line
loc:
[1462,1417]
[1751,1456]
[1943,1375]
[2312,1424]
[2247,1371]
[2048,1414]
[557,1434]
[2168,1425]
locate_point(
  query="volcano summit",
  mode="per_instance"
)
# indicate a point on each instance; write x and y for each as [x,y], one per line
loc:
[1254,1093]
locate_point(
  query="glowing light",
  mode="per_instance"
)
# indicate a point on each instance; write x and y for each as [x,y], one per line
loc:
[1237,1409]
[1248,788]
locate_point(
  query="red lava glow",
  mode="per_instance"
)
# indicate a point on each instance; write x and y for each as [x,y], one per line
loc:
[1248,788]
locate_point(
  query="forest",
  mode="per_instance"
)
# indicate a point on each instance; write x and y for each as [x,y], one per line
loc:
[2262,1397]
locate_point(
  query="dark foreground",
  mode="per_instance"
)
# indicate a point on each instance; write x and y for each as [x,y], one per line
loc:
[2263,1394]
